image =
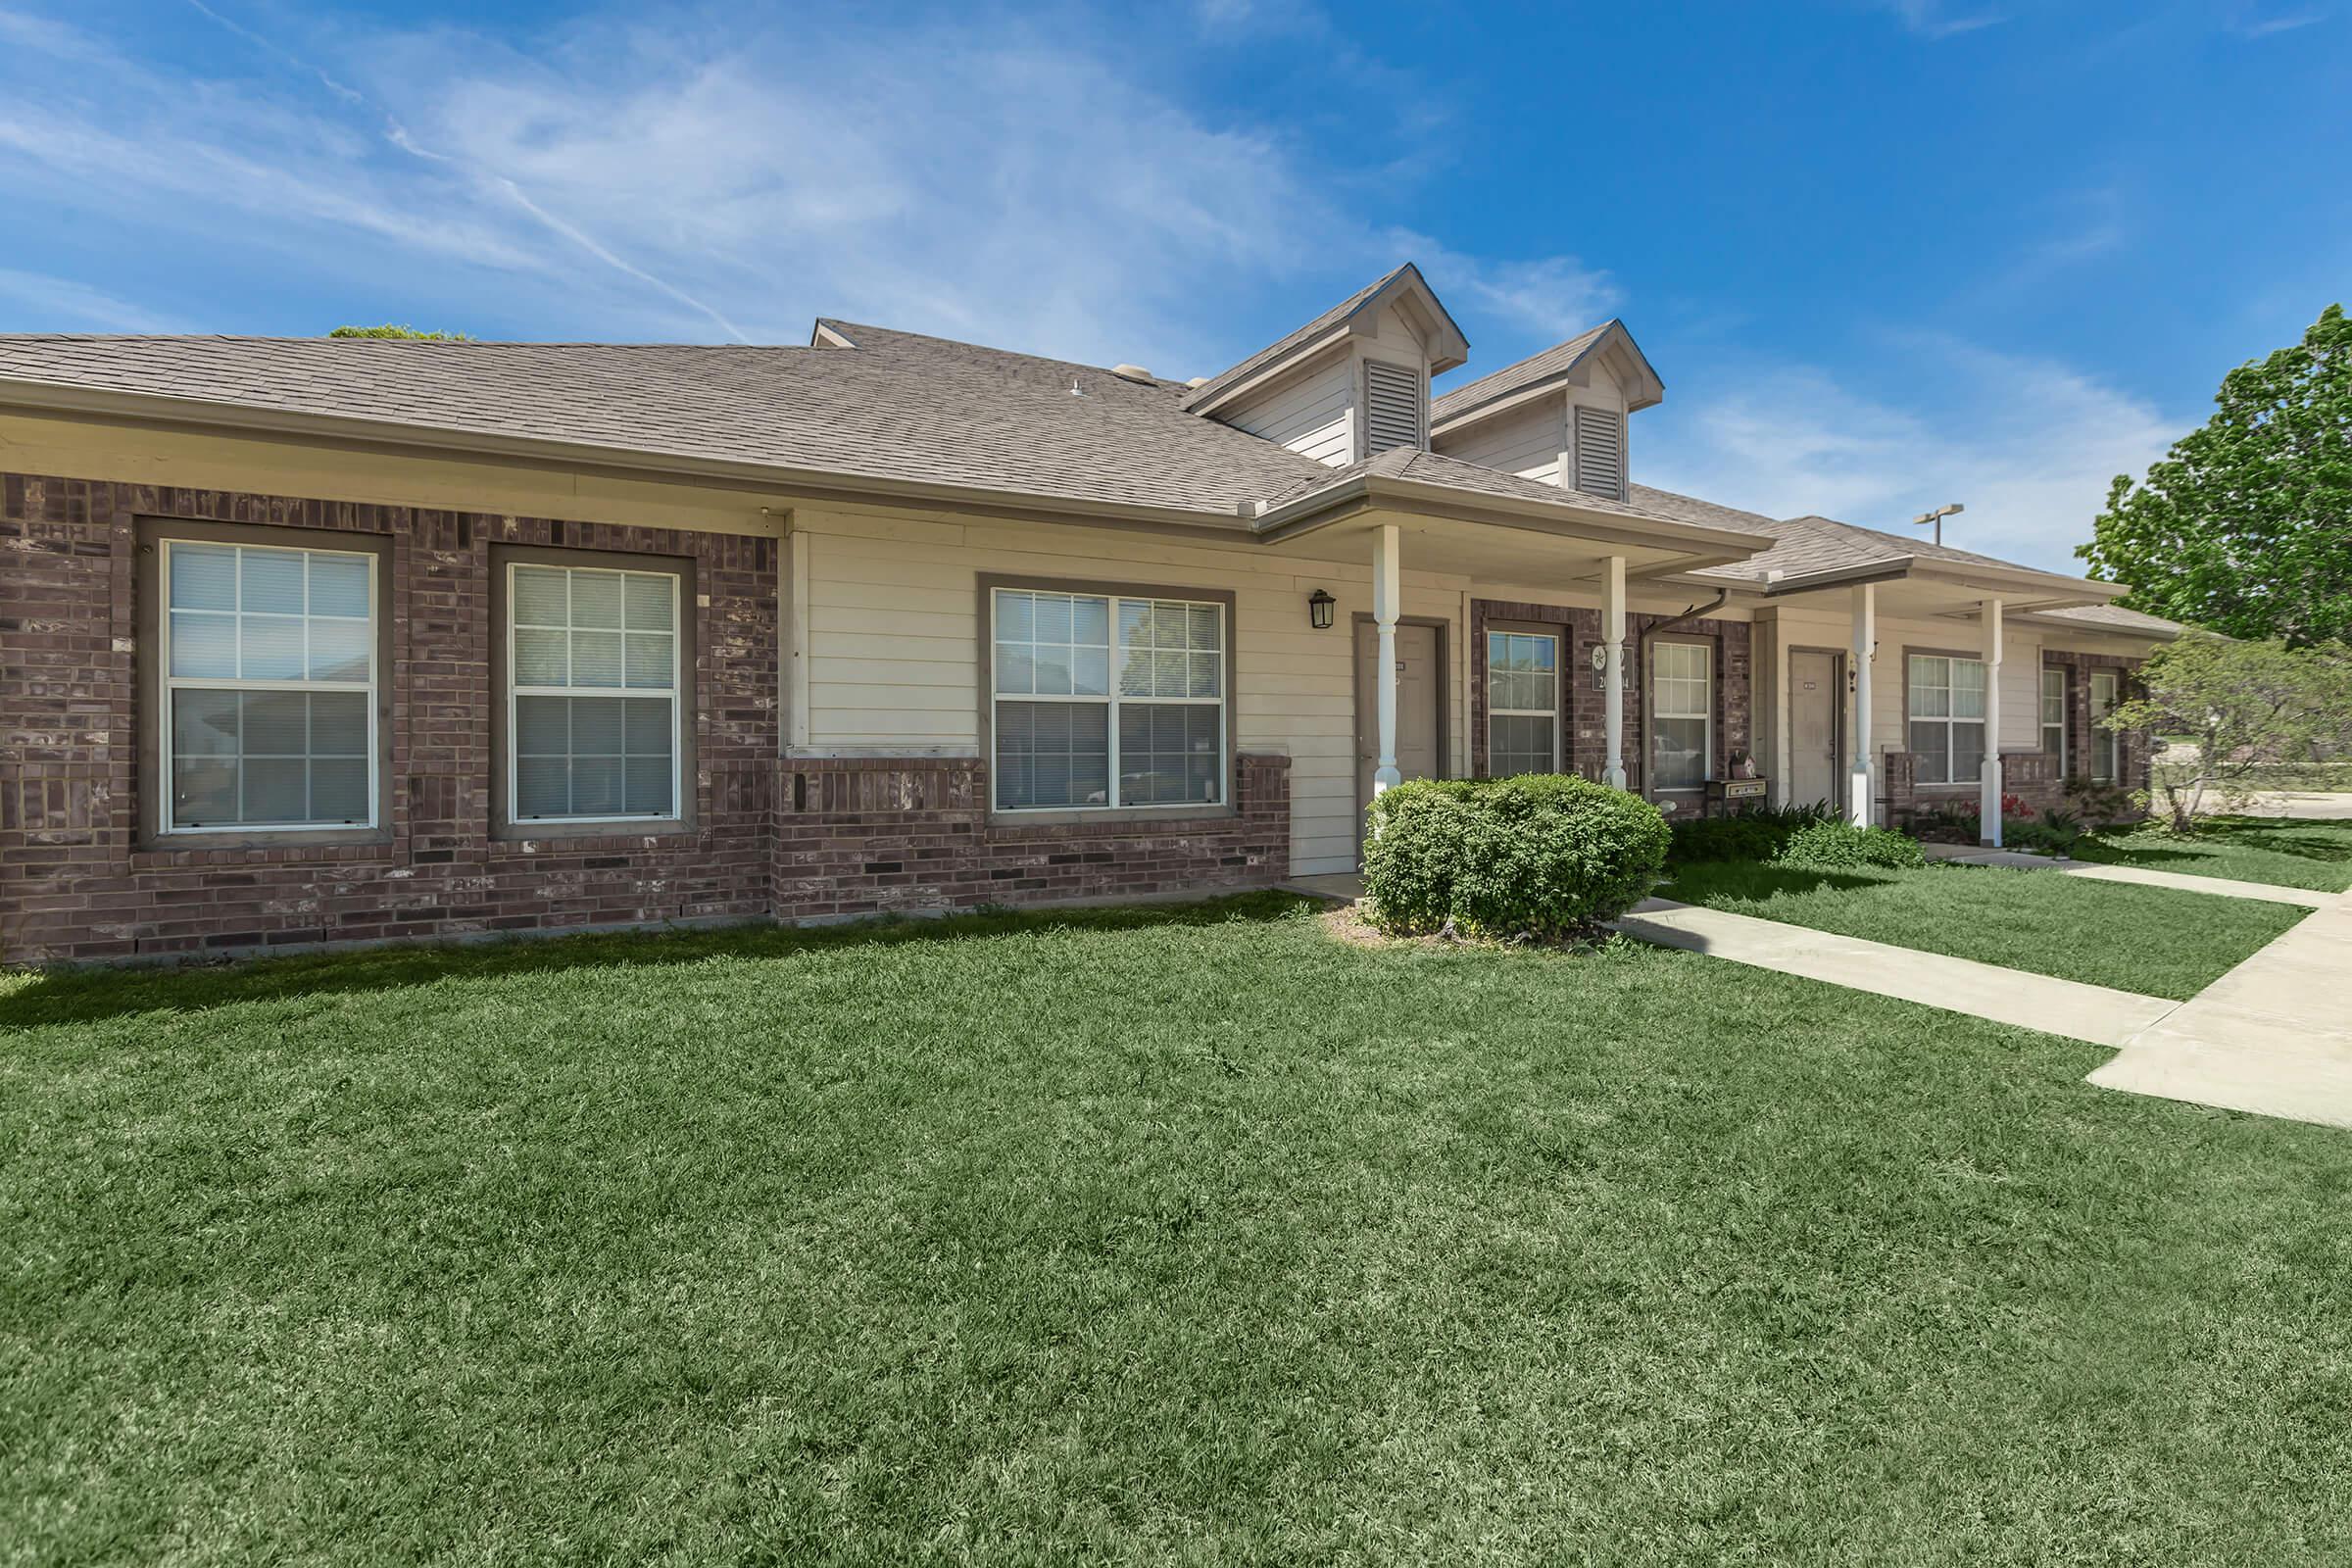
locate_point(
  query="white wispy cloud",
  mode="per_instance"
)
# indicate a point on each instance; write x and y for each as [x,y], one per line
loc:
[967,180]
[2028,444]
[2256,21]
[1552,296]
[1936,21]
[39,303]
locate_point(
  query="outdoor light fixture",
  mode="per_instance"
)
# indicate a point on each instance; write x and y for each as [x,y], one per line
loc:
[1937,518]
[1318,609]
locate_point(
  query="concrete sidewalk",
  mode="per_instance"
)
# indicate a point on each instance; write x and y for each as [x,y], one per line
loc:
[2097,1014]
[2092,870]
[2272,1036]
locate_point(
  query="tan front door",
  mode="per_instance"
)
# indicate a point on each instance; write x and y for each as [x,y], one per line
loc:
[1816,701]
[1417,677]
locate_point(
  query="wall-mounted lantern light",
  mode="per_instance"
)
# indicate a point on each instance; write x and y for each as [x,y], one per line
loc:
[1318,609]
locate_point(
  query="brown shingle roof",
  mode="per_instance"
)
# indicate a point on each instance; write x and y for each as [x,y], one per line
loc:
[1556,361]
[899,405]
[1328,321]
[2117,618]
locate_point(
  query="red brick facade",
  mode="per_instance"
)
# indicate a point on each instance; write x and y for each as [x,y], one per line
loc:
[1582,697]
[2037,778]
[862,834]
[768,838]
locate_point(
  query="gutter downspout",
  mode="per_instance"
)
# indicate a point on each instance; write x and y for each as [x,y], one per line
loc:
[1642,645]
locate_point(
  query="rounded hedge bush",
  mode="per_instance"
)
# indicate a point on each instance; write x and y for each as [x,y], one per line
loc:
[1542,853]
[1830,845]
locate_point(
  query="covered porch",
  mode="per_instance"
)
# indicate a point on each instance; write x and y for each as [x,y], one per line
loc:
[1580,554]
[1945,693]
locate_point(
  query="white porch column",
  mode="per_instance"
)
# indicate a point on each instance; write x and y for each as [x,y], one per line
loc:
[1861,798]
[1387,590]
[1612,672]
[1988,810]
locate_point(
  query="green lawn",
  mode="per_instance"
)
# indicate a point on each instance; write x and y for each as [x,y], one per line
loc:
[1197,1237]
[2155,940]
[2286,854]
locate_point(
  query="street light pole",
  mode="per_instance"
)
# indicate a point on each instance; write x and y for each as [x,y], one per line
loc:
[1937,518]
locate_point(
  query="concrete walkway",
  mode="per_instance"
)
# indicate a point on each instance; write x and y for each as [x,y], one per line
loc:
[2097,1014]
[2091,870]
[2272,1036]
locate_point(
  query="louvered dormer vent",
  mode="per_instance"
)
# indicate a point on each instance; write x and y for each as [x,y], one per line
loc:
[1392,406]
[1600,452]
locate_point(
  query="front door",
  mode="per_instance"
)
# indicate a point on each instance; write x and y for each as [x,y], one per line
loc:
[1417,677]
[1816,701]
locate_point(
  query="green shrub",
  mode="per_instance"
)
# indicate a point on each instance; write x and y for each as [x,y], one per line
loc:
[1754,835]
[1542,853]
[1792,835]
[1833,846]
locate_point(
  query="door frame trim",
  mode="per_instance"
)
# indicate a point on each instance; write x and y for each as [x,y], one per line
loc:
[1445,630]
[1838,697]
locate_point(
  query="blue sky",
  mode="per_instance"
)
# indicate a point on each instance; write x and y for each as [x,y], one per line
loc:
[1884,254]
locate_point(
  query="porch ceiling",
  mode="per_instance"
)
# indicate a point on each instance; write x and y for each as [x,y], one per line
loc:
[1547,555]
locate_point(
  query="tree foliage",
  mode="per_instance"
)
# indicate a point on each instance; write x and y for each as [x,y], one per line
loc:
[389,331]
[2253,708]
[2245,526]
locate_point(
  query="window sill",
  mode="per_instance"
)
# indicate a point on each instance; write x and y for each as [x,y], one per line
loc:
[297,841]
[1125,816]
[620,830]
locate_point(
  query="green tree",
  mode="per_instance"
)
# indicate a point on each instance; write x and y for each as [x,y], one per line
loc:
[2245,526]
[389,331]
[2254,708]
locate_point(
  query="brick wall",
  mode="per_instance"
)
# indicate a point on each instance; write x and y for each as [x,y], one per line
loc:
[2037,778]
[860,835]
[77,882]
[1583,700]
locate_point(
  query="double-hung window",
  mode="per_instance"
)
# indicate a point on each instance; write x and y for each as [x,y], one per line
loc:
[1680,714]
[1107,699]
[1946,706]
[2053,715]
[2103,687]
[595,680]
[267,661]
[1523,702]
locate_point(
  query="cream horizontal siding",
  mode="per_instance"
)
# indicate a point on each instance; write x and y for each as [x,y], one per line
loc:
[1311,412]
[1526,442]
[2021,677]
[893,630]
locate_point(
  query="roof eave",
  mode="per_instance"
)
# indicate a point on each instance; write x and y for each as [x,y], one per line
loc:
[155,409]
[1320,509]
[1449,350]
[1648,393]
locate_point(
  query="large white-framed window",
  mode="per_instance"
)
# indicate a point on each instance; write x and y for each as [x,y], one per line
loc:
[1945,703]
[268,658]
[1100,701]
[2053,715]
[2104,685]
[595,693]
[1523,702]
[1682,681]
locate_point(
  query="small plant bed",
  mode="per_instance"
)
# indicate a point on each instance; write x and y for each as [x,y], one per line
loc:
[2153,941]
[2283,854]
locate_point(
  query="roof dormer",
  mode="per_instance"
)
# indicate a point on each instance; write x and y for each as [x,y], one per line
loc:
[1351,383]
[1559,417]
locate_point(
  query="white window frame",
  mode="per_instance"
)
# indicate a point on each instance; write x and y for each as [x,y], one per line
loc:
[1947,718]
[675,693]
[1652,713]
[1111,698]
[172,685]
[2106,746]
[1552,712]
[2061,751]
